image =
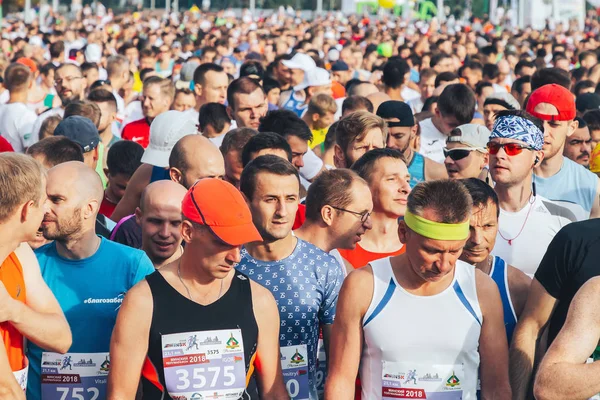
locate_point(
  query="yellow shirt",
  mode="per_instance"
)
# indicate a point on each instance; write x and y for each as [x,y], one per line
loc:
[318,136]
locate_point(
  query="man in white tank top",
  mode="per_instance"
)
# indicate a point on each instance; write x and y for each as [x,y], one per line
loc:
[421,324]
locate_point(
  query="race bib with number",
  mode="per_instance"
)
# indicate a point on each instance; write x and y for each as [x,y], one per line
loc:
[417,381]
[321,373]
[294,363]
[21,377]
[202,364]
[74,376]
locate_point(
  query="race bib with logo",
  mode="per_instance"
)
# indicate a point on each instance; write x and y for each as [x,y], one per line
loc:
[74,376]
[403,380]
[294,363]
[203,364]
[21,377]
[321,373]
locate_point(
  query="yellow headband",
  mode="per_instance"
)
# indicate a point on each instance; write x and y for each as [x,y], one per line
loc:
[436,230]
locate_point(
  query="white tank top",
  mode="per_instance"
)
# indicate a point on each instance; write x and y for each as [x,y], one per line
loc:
[420,345]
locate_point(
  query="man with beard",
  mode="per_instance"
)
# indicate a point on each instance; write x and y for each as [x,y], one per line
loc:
[159,215]
[70,85]
[88,274]
[578,146]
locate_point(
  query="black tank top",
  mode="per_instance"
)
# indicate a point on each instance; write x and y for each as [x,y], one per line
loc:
[174,313]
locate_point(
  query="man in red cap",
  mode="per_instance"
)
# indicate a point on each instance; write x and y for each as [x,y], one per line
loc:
[197,319]
[558,178]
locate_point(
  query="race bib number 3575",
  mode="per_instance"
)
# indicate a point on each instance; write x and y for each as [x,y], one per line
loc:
[202,364]
[74,376]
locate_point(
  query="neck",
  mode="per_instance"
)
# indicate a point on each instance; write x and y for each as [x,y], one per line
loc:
[272,251]
[514,197]
[79,247]
[312,232]
[190,271]
[550,166]
[18,97]
[10,242]
[383,236]
[437,124]
[106,135]
[308,121]
[160,262]
[394,93]
[485,265]
[408,155]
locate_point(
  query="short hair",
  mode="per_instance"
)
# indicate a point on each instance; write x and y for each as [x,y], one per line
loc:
[366,163]
[57,48]
[103,96]
[457,100]
[394,72]
[17,77]
[482,85]
[449,199]
[582,123]
[236,139]
[546,76]
[523,64]
[523,114]
[56,150]
[84,108]
[167,88]
[285,123]
[49,125]
[426,74]
[86,66]
[264,140]
[116,64]
[355,126]
[437,58]
[270,84]
[517,85]
[488,50]
[201,70]
[243,85]
[481,193]
[177,158]
[252,68]
[330,136]
[332,187]
[21,181]
[584,54]
[445,77]
[184,91]
[428,103]
[213,114]
[472,65]
[491,71]
[268,164]
[355,103]
[592,119]
[321,104]
[46,68]
[146,53]
[584,84]
[124,158]
[144,72]
[578,74]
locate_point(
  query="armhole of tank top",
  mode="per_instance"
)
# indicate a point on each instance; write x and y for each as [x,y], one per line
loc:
[507,290]
[469,300]
[382,280]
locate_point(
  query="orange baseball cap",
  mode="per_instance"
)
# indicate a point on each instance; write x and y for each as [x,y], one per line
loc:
[28,62]
[220,206]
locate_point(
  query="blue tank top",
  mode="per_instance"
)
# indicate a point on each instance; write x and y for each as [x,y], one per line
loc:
[573,187]
[499,274]
[159,174]
[296,105]
[416,169]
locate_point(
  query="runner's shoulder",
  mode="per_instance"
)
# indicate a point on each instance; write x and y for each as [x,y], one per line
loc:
[360,281]
[261,296]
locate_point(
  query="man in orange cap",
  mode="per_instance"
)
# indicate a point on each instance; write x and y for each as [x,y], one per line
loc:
[558,178]
[216,352]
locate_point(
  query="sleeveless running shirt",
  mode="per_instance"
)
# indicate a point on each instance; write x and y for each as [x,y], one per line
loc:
[216,366]
[11,275]
[296,104]
[427,345]
[416,169]
[499,273]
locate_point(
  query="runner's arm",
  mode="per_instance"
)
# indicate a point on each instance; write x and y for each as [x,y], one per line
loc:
[133,193]
[595,213]
[347,334]
[538,309]
[9,387]
[493,348]
[434,170]
[519,284]
[40,319]
[326,328]
[129,343]
[269,376]
[563,373]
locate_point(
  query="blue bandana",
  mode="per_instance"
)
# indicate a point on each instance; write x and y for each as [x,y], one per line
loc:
[518,128]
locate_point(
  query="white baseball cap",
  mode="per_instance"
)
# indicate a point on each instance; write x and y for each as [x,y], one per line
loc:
[314,77]
[471,135]
[300,61]
[166,130]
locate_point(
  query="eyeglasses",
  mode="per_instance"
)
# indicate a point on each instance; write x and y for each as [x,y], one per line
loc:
[364,216]
[511,149]
[459,153]
[66,79]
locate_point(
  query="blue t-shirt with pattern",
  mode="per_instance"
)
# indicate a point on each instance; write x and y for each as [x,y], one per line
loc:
[305,285]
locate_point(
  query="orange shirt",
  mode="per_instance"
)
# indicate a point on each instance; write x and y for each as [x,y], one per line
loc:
[11,275]
[360,257]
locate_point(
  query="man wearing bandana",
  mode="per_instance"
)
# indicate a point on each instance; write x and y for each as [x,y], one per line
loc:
[380,330]
[528,221]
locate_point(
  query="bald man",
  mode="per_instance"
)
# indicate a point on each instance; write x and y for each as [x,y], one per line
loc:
[89,275]
[159,216]
[377,98]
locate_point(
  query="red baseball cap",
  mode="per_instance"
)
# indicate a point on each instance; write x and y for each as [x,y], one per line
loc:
[220,206]
[559,96]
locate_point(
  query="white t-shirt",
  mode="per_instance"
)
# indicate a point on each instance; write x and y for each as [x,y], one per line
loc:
[537,224]
[217,140]
[16,125]
[432,141]
[42,117]
[312,165]
[408,94]
[121,116]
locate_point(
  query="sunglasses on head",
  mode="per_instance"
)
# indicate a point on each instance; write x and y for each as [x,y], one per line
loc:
[511,149]
[458,153]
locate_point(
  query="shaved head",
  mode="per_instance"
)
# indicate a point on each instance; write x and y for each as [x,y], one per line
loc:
[167,193]
[195,157]
[377,99]
[82,180]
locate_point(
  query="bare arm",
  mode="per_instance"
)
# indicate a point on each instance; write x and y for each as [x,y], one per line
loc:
[9,387]
[129,343]
[493,348]
[595,213]
[268,363]
[133,193]
[326,338]
[40,319]
[347,334]
[434,170]
[535,317]
[566,357]
[519,284]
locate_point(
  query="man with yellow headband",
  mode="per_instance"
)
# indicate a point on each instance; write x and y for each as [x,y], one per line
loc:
[421,323]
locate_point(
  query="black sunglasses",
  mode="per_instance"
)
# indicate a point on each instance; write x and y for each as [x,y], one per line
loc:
[457,154]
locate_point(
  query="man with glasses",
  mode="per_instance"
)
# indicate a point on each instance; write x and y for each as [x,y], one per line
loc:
[466,152]
[388,179]
[70,85]
[528,221]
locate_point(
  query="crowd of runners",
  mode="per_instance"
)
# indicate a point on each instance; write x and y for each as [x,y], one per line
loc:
[204,206]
